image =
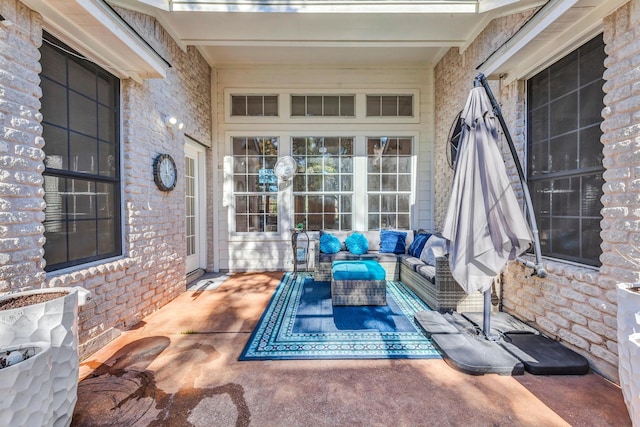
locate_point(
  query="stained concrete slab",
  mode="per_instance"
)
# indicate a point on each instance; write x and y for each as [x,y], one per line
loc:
[180,367]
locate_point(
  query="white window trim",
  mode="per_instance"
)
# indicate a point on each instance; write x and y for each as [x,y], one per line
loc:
[284,106]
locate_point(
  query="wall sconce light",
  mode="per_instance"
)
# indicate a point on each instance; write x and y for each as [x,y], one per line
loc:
[173,123]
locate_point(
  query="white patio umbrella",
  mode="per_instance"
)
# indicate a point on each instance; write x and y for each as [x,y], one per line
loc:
[484,225]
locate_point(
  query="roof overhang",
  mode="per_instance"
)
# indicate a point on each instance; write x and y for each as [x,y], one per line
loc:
[95,30]
[557,29]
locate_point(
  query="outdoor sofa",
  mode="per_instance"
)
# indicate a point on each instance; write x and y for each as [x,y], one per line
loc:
[426,274]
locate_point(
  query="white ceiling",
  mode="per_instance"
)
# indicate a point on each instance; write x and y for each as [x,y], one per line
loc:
[413,33]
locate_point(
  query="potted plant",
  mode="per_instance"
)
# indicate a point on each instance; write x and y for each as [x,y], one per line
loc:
[25,385]
[50,316]
[629,347]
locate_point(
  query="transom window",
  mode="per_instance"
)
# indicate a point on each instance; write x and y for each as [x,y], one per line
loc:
[323,105]
[255,185]
[389,105]
[80,110]
[254,105]
[389,182]
[565,156]
[323,186]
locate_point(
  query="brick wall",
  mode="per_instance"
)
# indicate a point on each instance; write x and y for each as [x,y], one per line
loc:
[152,270]
[575,304]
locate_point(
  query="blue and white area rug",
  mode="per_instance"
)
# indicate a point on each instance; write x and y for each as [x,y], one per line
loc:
[301,323]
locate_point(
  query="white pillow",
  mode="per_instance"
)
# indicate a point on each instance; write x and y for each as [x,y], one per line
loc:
[435,247]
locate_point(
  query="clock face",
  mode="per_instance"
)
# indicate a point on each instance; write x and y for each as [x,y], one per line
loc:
[164,172]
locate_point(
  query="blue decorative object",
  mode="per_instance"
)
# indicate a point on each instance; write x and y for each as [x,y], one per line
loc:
[357,243]
[393,242]
[329,244]
[415,249]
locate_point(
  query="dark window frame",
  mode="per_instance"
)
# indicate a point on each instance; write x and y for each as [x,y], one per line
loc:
[564,161]
[107,172]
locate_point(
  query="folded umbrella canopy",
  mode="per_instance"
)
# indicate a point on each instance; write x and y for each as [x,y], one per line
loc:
[485,226]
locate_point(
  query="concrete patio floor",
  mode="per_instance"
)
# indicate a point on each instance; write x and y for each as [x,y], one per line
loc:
[180,367]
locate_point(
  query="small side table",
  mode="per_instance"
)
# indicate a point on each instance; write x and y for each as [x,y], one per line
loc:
[300,255]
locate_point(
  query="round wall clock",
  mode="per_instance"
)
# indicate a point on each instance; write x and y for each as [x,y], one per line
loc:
[164,172]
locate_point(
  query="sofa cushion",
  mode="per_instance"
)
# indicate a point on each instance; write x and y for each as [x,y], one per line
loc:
[329,244]
[393,241]
[427,271]
[357,243]
[436,246]
[411,262]
[415,249]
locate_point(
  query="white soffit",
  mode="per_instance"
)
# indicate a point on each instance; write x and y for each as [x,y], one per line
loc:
[95,30]
[327,6]
[558,28]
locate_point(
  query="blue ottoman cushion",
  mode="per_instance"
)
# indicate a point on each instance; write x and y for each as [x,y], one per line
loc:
[358,270]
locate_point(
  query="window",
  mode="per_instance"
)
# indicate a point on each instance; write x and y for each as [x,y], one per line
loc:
[323,105]
[389,182]
[255,185]
[323,186]
[80,109]
[389,106]
[254,105]
[565,169]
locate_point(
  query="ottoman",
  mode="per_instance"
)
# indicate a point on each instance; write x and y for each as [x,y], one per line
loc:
[359,282]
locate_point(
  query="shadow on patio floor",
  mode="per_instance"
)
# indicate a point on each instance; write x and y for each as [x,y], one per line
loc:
[180,367]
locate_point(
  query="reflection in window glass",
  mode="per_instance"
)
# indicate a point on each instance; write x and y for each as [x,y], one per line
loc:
[255,185]
[323,186]
[389,182]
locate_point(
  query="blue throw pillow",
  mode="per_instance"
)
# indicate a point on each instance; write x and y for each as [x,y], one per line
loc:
[357,244]
[329,244]
[393,242]
[415,249]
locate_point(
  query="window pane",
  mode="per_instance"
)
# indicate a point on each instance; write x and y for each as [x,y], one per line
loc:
[331,105]
[56,150]
[563,114]
[254,106]
[85,153]
[538,92]
[82,240]
[405,106]
[238,105]
[54,65]
[591,240]
[314,105]
[298,106]
[106,124]
[564,152]
[566,237]
[106,238]
[591,195]
[564,75]
[566,197]
[347,108]
[590,147]
[53,96]
[592,58]
[270,105]
[82,80]
[55,246]
[389,106]
[83,115]
[374,106]
[591,104]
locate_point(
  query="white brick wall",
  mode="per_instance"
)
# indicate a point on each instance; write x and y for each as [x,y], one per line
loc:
[152,270]
[574,304]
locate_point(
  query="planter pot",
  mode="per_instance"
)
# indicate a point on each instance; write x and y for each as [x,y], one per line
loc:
[54,322]
[629,348]
[25,388]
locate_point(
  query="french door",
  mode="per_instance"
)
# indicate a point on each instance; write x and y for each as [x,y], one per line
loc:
[195,204]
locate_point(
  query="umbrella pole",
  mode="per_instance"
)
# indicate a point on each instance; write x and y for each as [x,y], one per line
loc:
[537,267]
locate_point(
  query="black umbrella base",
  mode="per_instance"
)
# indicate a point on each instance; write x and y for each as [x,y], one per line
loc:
[517,346]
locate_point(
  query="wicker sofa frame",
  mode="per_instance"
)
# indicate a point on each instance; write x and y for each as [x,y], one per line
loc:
[443,295]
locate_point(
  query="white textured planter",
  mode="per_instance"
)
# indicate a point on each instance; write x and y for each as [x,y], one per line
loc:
[629,348]
[54,322]
[25,388]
